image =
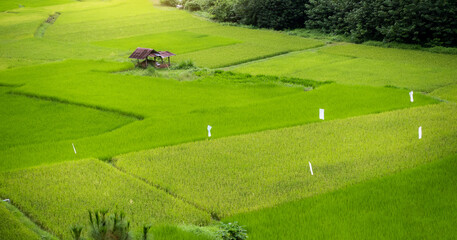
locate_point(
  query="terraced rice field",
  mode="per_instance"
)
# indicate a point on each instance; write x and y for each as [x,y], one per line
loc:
[141,143]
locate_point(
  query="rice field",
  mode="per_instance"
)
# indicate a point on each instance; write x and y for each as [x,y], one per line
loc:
[167,112]
[362,65]
[58,196]
[81,129]
[252,171]
[413,204]
[12,228]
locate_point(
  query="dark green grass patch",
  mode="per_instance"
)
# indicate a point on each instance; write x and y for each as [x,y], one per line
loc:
[252,171]
[25,120]
[415,204]
[58,196]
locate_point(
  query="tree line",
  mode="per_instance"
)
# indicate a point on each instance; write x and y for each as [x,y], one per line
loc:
[424,22]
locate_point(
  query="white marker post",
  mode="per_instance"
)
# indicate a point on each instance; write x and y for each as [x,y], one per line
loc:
[321,113]
[420,132]
[411,96]
[311,168]
[74,149]
[209,130]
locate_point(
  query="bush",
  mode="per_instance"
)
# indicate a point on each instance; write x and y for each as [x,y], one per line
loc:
[223,11]
[192,6]
[232,231]
[276,14]
[171,3]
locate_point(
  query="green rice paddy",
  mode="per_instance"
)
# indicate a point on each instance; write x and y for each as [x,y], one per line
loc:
[363,65]
[141,141]
[413,204]
[58,196]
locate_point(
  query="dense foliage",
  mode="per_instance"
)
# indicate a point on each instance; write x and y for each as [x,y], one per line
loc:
[276,14]
[425,22]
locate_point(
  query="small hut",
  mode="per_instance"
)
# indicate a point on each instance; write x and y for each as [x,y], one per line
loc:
[145,53]
[162,55]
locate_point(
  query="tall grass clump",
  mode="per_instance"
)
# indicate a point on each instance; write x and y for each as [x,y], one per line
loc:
[104,226]
[76,232]
[183,65]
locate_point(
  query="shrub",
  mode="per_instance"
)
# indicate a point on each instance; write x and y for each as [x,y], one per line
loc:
[171,3]
[232,231]
[276,14]
[192,6]
[223,11]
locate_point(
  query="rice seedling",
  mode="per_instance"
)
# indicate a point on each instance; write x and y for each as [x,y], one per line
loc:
[417,203]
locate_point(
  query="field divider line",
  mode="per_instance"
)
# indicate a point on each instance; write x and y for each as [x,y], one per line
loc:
[32,220]
[270,56]
[58,100]
[41,30]
[213,215]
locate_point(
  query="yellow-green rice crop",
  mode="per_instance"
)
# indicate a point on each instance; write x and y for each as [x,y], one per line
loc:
[176,42]
[248,172]
[58,196]
[363,65]
[448,93]
[12,228]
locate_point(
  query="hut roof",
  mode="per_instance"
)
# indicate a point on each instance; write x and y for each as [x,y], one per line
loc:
[162,54]
[141,53]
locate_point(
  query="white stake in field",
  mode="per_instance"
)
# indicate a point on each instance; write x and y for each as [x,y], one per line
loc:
[411,96]
[321,113]
[420,132]
[209,130]
[310,168]
[74,149]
